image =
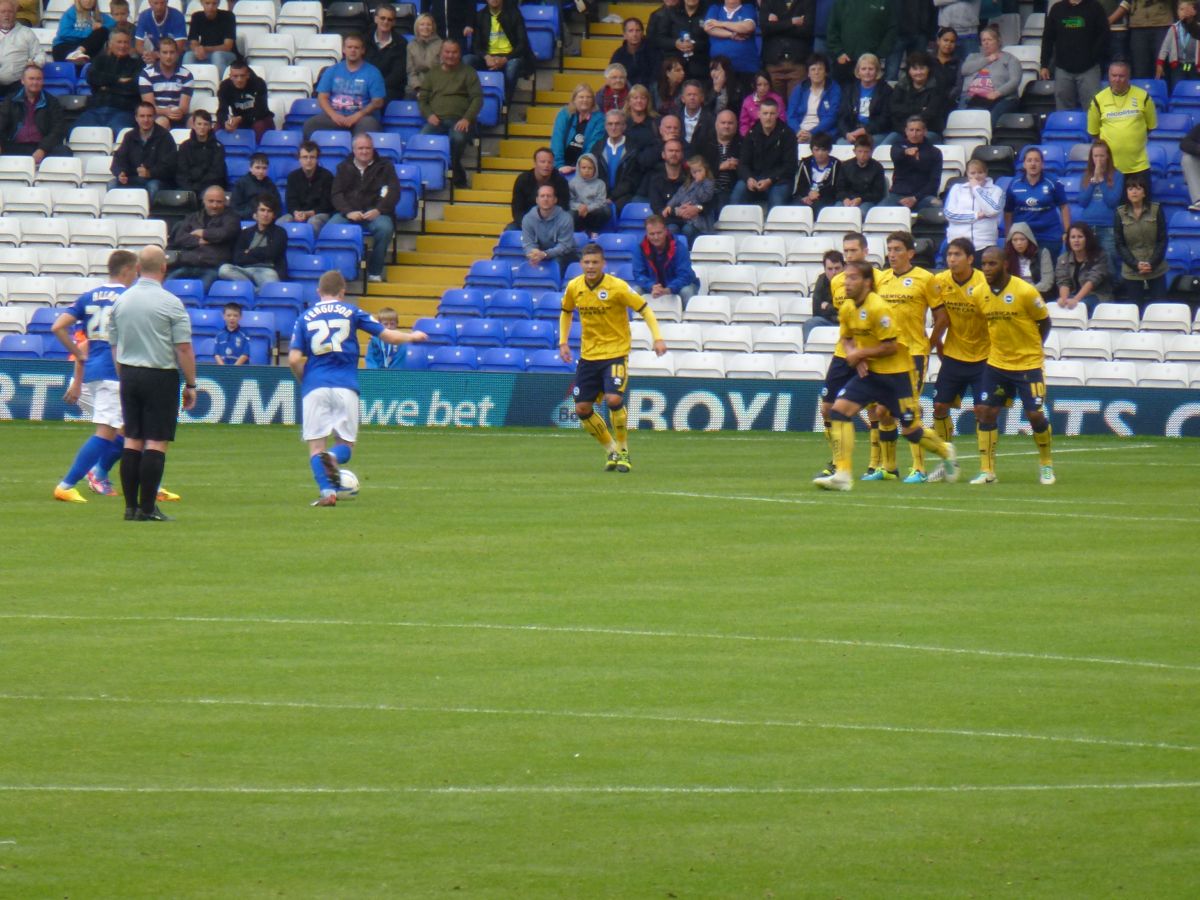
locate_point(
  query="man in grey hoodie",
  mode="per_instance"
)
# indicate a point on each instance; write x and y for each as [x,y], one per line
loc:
[548,231]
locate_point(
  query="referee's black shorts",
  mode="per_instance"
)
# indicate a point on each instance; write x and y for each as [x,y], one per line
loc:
[150,403]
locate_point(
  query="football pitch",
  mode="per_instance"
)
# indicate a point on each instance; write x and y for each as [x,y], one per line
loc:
[502,672]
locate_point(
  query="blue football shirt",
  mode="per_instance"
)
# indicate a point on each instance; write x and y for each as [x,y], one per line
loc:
[325,333]
[92,310]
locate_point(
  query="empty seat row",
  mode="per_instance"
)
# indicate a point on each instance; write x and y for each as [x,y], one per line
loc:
[799,219]
[1162,317]
[1106,345]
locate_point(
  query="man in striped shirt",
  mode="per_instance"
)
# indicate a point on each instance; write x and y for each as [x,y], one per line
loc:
[167,86]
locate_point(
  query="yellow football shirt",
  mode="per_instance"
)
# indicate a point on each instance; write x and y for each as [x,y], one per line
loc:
[604,316]
[1012,315]
[1124,123]
[910,295]
[498,42]
[837,290]
[869,324]
[966,338]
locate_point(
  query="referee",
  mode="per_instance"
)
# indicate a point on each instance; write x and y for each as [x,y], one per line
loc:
[151,337]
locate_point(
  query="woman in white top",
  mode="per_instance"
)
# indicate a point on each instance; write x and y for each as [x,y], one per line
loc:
[973,208]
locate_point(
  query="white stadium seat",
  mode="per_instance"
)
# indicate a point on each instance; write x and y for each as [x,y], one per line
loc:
[822,339]
[729,338]
[18,169]
[763,310]
[1065,372]
[791,219]
[28,201]
[1115,316]
[31,292]
[708,308]
[78,202]
[779,339]
[60,170]
[787,280]
[809,250]
[1163,375]
[1086,345]
[1183,348]
[10,232]
[94,232]
[683,336]
[838,220]
[750,365]
[91,140]
[741,218]
[795,311]
[1069,319]
[1111,374]
[802,366]
[732,280]
[43,232]
[15,261]
[715,248]
[136,234]
[300,17]
[667,307]
[699,365]
[62,261]
[1147,346]
[12,320]
[126,203]
[770,249]
[647,362]
[1169,317]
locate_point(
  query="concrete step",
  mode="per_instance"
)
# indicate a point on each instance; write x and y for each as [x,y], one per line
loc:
[554,99]
[404,306]
[478,195]
[477,247]
[517,147]
[588,63]
[599,47]
[420,258]
[407,277]
[567,81]
[465,229]
[541,115]
[493,181]
[386,291]
[539,130]
[507,163]
[500,215]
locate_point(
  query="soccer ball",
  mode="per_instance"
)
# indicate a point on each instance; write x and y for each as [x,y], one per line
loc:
[349,482]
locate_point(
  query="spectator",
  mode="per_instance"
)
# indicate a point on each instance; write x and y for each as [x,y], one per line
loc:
[616,89]
[31,121]
[638,57]
[365,190]
[203,241]
[1101,191]
[200,163]
[525,186]
[382,355]
[588,200]
[252,187]
[450,100]
[963,17]
[661,185]
[242,101]
[1141,237]
[660,31]
[1149,21]
[454,19]
[687,20]
[641,121]
[821,26]
[548,231]
[916,169]
[816,186]
[1189,159]
[1074,40]
[616,161]
[113,78]
[146,157]
[167,86]
[82,33]
[119,10]
[857,28]
[387,51]
[824,311]
[666,89]
[29,12]
[762,90]
[692,208]
[726,93]
[813,106]
[1029,261]
[787,28]
[349,93]
[212,37]
[310,190]
[973,208]
[1081,273]
[723,154]
[231,346]
[1118,29]
[767,169]
[1123,115]
[576,127]
[424,53]
[1039,201]
[663,264]
[502,44]
[649,155]
[18,47]
[865,103]
[917,95]
[861,181]
[947,66]
[698,123]
[260,252]
[991,77]
[1179,56]
[915,24]
[158,21]
[731,27]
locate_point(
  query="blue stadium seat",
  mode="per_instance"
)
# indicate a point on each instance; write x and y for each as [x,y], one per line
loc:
[235,168]
[260,350]
[1070,184]
[303,109]
[542,24]
[283,298]
[388,146]
[547,361]
[341,237]
[493,99]
[42,320]
[1155,87]
[222,292]
[1179,258]
[1159,162]
[480,332]
[508,246]
[300,235]
[624,271]
[59,78]
[441,332]
[403,118]
[619,247]
[534,334]
[453,359]
[461,302]
[205,349]
[305,267]
[547,305]
[1066,125]
[432,153]
[237,143]
[206,322]
[281,143]
[574,270]
[1184,224]
[537,276]
[335,146]
[416,357]
[515,304]
[260,323]
[490,275]
[501,359]
[52,348]
[348,262]
[409,204]
[633,218]
[1171,127]
[189,290]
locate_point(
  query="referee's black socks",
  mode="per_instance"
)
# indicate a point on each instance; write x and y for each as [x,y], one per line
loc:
[153,463]
[131,475]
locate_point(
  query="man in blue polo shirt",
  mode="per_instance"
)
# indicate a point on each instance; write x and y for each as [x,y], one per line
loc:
[350,93]
[156,22]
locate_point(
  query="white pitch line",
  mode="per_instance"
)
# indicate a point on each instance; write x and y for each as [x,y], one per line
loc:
[602,716]
[557,790]
[617,632]
[1059,451]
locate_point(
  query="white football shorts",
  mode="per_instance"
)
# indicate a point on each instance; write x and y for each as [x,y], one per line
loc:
[330,411]
[102,400]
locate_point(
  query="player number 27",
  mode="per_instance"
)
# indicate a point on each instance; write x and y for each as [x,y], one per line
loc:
[328,335]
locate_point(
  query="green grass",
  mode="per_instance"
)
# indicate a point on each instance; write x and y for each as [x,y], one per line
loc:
[501,672]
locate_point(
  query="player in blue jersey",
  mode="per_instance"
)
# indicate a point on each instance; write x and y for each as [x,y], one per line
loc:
[324,358]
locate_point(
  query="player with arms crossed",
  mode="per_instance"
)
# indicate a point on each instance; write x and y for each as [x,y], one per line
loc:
[882,374]
[1018,323]
[909,290]
[603,301]
[324,358]
[960,338]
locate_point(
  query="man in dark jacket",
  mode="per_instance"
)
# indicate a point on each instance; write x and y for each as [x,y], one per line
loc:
[453,18]
[203,242]
[787,27]
[113,78]
[500,43]
[365,191]
[616,160]
[146,157]
[387,50]
[767,168]
[1074,41]
[260,252]
[691,40]
[242,101]
[31,121]
[525,188]
[916,169]
[201,160]
[638,57]
[310,190]
[861,181]
[661,185]
[699,124]
[723,153]
[917,95]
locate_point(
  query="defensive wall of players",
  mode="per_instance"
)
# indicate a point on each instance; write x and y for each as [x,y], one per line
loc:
[32,390]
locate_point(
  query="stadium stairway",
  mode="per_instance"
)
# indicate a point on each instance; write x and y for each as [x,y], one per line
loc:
[458,233]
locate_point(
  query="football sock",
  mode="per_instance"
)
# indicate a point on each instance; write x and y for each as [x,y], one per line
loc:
[318,469]
[89,454]
[594,425]
[988,437]
[342,453]
[131,476]
[843,442]
[918,455]
[876,450]
[620,426]
[887,446]
[153,463]
[1042,439]
[111,454]
[944,428]
[829,436]
[929,441]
